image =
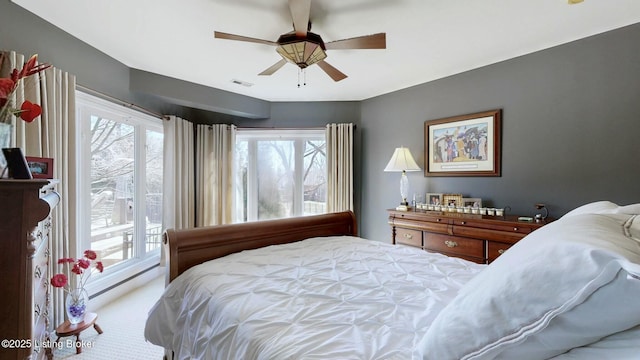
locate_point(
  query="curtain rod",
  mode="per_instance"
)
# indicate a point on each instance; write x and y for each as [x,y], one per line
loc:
[118,101]
[288,128]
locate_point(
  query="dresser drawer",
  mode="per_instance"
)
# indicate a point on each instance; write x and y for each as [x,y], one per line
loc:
[508,226]
[454,245]
[510,237]
[432,224]
[495,249]
[409,237]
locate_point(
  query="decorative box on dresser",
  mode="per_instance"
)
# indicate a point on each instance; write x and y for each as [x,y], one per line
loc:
[25,300]
[478,238]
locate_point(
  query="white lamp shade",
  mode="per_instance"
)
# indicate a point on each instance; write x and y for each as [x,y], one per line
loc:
[401,160]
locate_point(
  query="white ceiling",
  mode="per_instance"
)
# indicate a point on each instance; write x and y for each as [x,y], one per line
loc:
[426,39]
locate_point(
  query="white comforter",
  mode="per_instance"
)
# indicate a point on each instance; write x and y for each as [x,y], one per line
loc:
[322,298]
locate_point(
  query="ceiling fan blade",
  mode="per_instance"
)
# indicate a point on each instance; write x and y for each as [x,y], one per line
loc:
[300,10]
[273,68]
[227,36]
[334,73]
[375,41]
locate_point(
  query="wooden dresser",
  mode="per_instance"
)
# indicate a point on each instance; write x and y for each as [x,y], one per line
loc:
[25,300]
[478,238]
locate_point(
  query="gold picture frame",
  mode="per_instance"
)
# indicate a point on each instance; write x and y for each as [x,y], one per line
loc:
[452,199]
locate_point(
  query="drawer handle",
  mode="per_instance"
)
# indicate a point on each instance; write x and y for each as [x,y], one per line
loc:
[501,251]
[451,244]
[408,236]
[515,229]
[38,272]
[464,223]
[438,220]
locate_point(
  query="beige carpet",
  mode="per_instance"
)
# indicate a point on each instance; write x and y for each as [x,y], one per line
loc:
[122,323]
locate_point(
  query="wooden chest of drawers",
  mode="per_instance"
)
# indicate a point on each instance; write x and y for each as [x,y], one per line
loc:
[25,304]
[477,238]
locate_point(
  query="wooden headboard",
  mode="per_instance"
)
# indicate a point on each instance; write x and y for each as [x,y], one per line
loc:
[189,247]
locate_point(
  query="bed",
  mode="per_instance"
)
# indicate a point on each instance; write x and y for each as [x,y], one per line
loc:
[309,288]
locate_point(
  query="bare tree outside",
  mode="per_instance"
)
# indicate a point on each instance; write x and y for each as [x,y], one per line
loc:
[113,154]
[277,177]
[315,175]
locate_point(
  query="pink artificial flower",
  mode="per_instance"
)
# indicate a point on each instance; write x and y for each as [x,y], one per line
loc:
[66,260]
[90,254]
[84,263]
[59,280]
[76,269]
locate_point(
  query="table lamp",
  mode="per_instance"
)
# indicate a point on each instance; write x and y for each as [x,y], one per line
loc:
[402,161]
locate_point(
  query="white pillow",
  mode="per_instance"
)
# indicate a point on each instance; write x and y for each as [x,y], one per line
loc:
[565,285]
[624,345]
[592,208]
[604,207]
[633,209]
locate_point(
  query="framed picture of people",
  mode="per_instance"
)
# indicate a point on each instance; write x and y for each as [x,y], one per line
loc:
[434,198]
[465,145]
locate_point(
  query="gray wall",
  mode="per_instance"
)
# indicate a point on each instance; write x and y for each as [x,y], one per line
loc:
[571,116]
[571,123]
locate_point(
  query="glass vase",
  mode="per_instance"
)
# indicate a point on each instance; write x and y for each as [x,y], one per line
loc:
[76,305]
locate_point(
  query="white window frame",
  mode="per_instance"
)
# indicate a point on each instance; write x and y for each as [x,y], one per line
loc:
[300,136]
[123,271]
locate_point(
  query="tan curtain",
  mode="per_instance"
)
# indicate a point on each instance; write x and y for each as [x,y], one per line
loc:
[53,135]
[179,174]
[214,174]
[339,167]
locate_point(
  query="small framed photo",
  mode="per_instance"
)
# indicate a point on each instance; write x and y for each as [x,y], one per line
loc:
[434,199]
[452,200]
[472,202]
[41,168]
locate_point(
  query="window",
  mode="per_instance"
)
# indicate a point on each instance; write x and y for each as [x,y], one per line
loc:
[120,182]
[280,173]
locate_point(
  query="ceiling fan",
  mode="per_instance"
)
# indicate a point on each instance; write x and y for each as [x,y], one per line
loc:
[304,48]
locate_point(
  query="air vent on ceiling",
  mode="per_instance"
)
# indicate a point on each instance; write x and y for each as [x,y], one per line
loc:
[240,82]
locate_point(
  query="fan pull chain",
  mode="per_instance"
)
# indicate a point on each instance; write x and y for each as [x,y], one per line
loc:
[304,77]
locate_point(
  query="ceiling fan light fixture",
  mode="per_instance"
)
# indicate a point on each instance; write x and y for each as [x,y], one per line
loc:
[302,52]
[303,48]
